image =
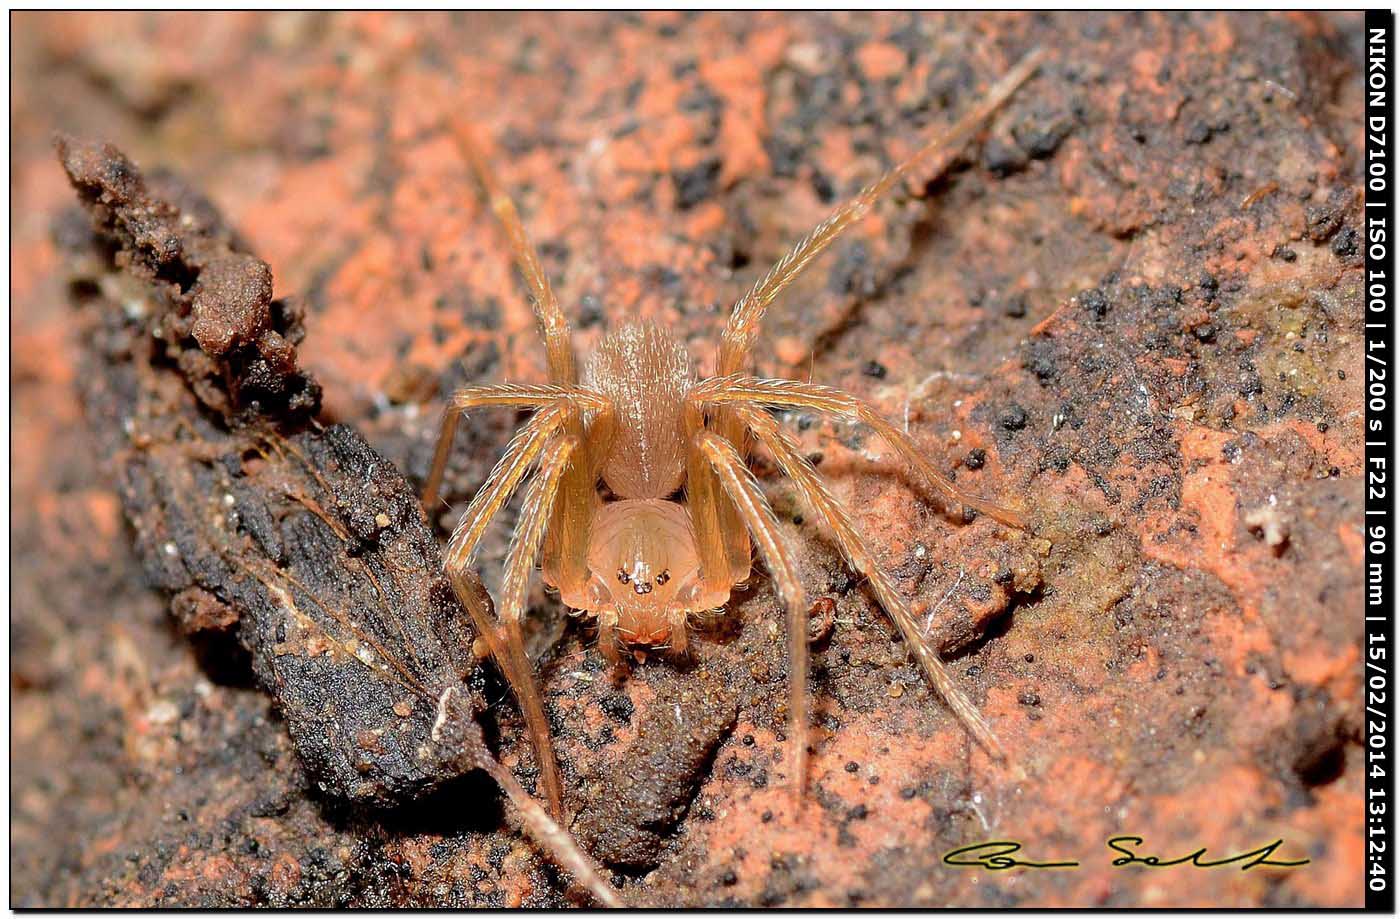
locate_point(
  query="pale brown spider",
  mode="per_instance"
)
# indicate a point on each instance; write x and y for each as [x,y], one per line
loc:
[674,541]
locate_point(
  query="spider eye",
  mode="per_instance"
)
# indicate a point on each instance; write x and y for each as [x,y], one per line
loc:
[623,576]
[642,587]
[662,578]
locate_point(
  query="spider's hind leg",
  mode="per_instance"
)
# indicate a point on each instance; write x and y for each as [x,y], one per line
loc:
[743,393]
[797,468]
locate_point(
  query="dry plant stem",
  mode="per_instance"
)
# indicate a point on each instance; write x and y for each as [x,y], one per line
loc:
[554,837]
[795,466]
[551,836]
[454,721]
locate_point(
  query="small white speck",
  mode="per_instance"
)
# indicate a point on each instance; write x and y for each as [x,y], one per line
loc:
[228,500]
[928,620]
[170,549]
[163,712]
[364,653]
[441,719]
[956,436]
[977,809]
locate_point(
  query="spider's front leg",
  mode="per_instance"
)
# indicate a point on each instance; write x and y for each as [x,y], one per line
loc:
[503,635]
[742,489]
[553,326]
[742,328]
[547,438]
[505,395]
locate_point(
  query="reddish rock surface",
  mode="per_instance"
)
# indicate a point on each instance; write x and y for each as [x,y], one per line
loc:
[1133,307]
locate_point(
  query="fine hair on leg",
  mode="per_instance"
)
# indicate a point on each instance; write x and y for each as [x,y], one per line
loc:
[796,467]
[739,483]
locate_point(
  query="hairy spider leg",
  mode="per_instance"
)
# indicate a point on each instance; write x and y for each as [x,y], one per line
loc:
[554,327]
[742,328]
[511,395]
[740,389]
[520,562]
[797,468]
[747,394]
[566,537]
[527,447]
[742,488]
[723,562]
[740,331]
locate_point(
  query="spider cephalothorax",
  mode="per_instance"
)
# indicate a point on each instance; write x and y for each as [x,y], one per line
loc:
[675,534]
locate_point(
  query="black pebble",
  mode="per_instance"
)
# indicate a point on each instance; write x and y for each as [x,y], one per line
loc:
[1344,243]
[696,184]
[1013,418]
[1199,133]
[1002,159]
[1094,301]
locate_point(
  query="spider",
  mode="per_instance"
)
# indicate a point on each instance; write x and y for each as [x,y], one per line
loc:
[676,534]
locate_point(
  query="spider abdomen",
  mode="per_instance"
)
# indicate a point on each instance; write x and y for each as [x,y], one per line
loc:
[646,374]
